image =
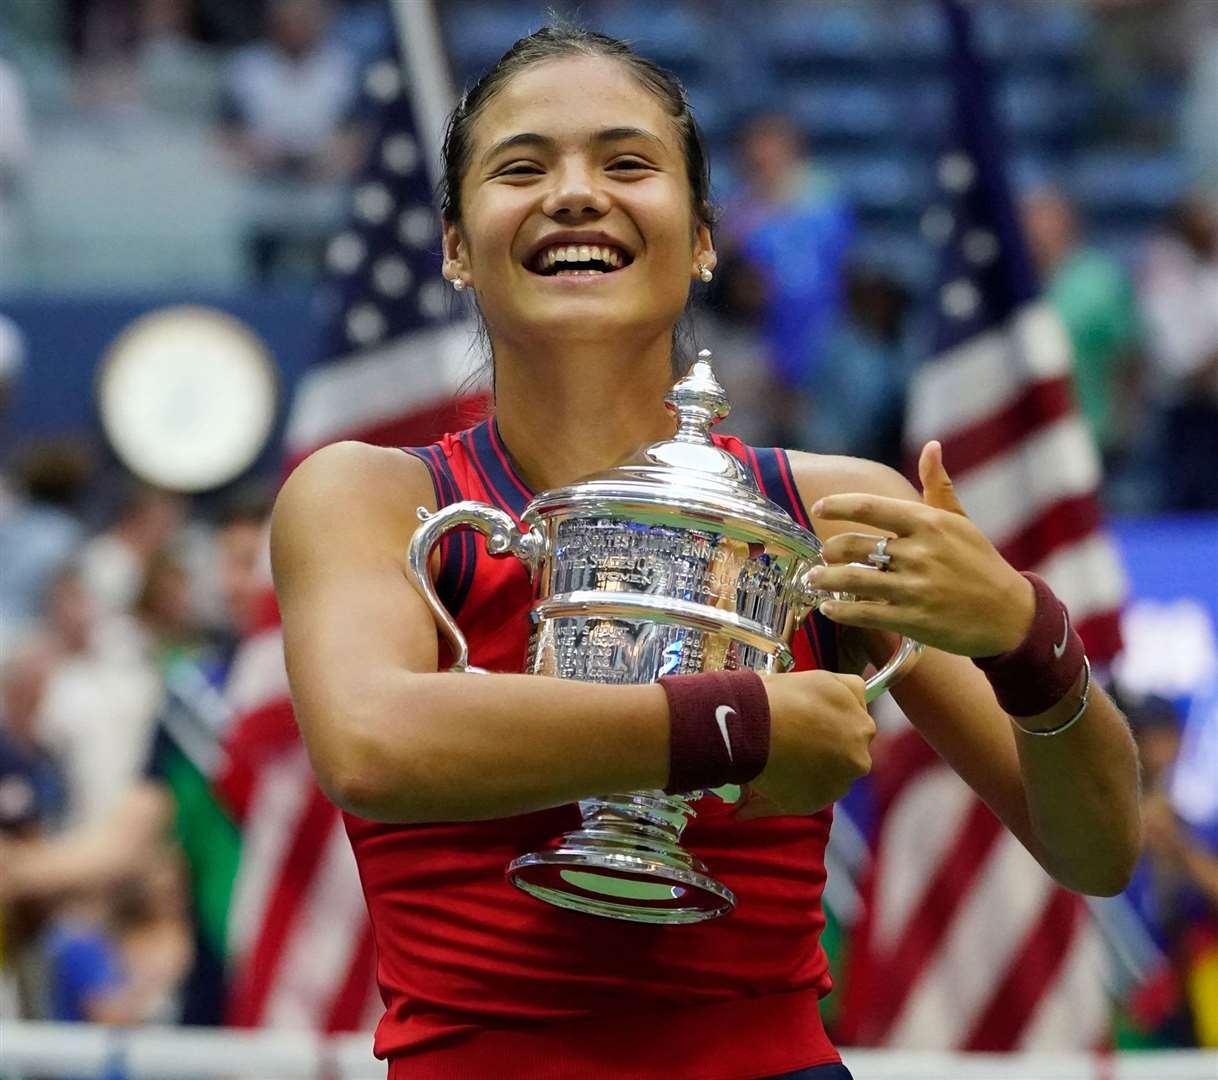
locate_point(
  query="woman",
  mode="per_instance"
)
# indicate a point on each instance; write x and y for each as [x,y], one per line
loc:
[573,141]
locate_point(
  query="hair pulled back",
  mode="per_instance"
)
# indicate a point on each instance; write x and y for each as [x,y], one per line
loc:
[554,43]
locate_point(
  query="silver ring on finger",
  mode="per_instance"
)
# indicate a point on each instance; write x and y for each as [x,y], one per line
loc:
[879,557]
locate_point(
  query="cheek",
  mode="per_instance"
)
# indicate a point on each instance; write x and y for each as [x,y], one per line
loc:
[491,226]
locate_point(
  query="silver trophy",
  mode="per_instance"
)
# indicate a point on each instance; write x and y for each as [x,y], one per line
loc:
[671,564]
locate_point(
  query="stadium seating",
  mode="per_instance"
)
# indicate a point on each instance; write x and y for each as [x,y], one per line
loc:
[862,78]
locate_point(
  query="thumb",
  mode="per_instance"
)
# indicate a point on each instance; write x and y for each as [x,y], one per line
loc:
[937,487]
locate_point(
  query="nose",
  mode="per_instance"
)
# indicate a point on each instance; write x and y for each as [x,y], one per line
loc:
[576,193]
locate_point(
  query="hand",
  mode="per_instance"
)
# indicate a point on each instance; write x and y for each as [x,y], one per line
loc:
[820,739]
[946,586]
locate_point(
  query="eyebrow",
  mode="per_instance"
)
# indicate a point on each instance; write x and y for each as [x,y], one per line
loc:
[544,142]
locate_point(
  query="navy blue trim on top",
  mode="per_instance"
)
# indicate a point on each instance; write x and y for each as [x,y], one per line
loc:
[494,466]
[457,551]
[772,469]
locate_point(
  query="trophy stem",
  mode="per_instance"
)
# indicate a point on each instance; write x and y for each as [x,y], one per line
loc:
[626,862]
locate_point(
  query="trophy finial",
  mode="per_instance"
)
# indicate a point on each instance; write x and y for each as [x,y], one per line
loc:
[699,401]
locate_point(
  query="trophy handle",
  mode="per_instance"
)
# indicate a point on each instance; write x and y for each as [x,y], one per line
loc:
[503,537]
[898,665]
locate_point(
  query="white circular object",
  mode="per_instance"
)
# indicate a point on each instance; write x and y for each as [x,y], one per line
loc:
[187,397]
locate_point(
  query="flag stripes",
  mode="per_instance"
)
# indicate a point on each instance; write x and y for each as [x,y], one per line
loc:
[393,356]
[964,942]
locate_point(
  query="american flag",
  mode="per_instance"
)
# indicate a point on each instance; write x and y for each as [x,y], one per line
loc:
[963,941]
[393,356]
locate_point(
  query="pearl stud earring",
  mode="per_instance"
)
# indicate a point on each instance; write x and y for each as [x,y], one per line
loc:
[705,273]
[458,284]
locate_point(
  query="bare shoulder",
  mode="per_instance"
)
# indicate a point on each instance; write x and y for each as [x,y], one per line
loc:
[351,496]
[818,475]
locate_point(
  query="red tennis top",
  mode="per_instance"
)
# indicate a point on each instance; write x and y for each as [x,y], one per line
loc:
[479,979]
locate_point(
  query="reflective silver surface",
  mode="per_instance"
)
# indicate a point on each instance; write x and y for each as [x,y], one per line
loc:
[673,563]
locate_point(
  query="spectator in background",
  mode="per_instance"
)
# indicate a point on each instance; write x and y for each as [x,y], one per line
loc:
[118,956]
[166,613]
[103,37]
[39,529]
[289,124]
[176,791]
[114,564]
[1095,299]
[790,220]
[856,399]
[38,799]
[31,803]
[730,325]
[1175,890]
[1180,308]
[96,718]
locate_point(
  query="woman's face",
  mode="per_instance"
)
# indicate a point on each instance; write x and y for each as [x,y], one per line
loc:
[574,155]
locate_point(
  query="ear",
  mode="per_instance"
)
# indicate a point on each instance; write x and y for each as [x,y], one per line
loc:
[456,256]
[704,250]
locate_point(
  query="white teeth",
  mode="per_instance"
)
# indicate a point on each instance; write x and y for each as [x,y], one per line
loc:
[580,253]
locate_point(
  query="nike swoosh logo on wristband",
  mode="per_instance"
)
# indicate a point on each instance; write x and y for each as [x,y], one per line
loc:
[1060,650]
[721,715]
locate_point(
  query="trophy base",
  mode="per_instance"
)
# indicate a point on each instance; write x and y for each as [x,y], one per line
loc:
[619,866]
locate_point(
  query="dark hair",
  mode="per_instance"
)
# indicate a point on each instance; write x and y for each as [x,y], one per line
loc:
[249,503]
[554,43]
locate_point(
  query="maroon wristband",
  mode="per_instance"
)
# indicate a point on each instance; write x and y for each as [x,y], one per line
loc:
[719,729]
[1043,668]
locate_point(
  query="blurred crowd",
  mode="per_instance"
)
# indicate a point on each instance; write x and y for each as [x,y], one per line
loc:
[121,618]
[121,606]
[823,345]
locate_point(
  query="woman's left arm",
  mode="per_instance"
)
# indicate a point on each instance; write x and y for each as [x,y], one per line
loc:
[1071,798]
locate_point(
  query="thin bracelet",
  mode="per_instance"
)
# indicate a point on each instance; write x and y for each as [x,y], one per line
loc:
[1082,708]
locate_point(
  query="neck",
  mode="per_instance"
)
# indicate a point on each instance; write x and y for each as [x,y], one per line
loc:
[569,410]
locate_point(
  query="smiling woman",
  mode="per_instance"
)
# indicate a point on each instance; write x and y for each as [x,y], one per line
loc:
[576,212]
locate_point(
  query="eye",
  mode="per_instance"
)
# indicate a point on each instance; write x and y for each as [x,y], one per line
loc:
[522,168]
[628,164]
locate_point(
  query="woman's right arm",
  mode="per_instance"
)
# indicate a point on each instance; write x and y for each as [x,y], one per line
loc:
[392,739]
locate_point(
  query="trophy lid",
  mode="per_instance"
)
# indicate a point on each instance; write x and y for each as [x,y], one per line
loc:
[686,479]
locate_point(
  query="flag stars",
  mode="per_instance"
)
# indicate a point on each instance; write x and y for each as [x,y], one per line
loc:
[345,253]
[365,324]
[960,299]
[417,227]
[383,81]
[957,173]
[937,225]
[980,247]
[400,154]
[392,276]
[373,203]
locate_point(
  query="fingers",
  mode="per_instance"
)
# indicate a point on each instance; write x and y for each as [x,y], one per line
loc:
[856,685]
[870,615]
[853,547]
[864,581]
[898,516]
[937,487]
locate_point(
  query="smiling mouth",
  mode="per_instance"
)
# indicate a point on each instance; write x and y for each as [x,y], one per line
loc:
[579,260]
